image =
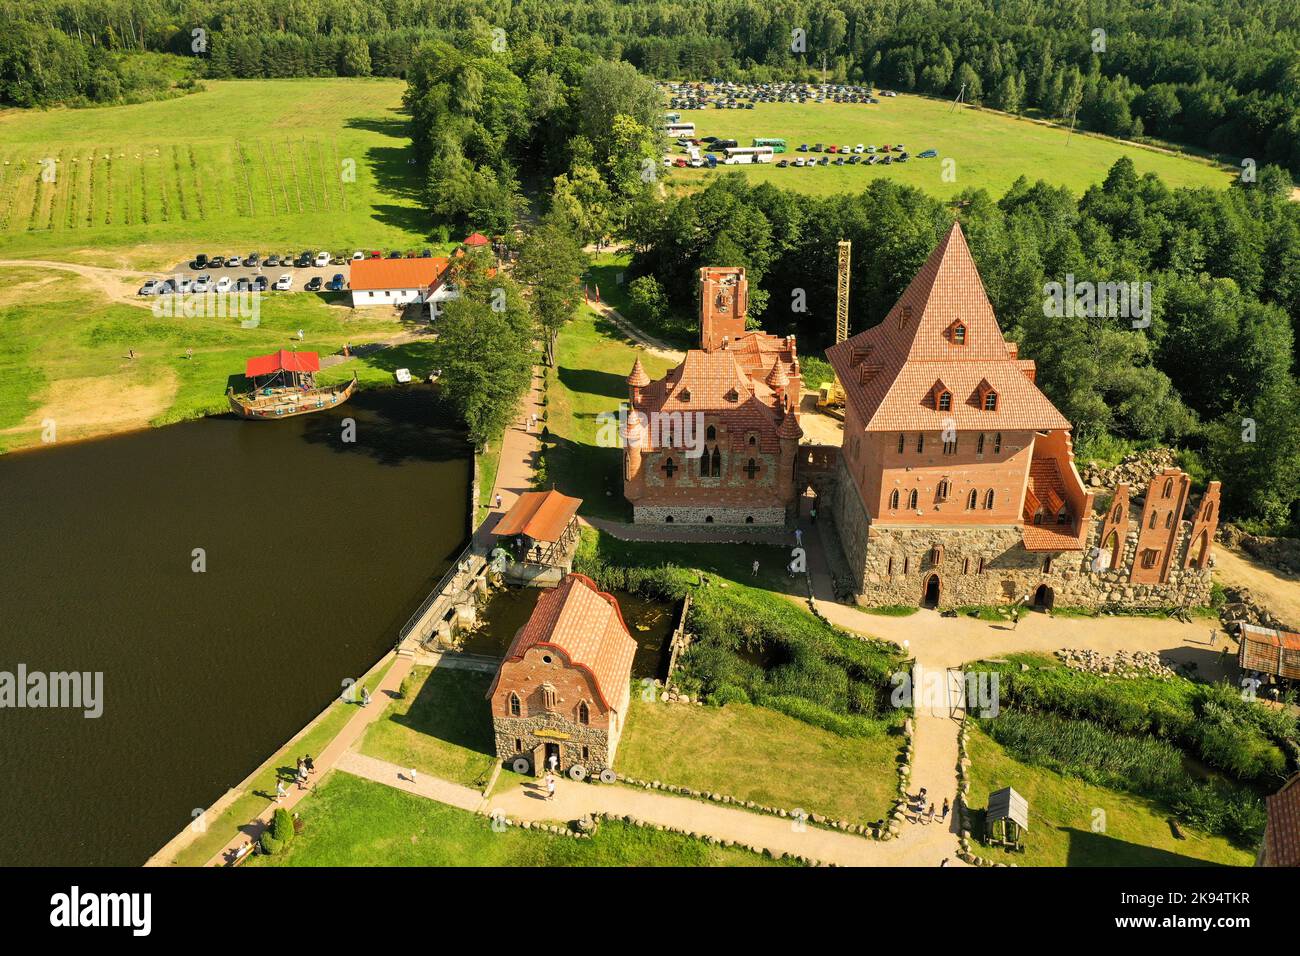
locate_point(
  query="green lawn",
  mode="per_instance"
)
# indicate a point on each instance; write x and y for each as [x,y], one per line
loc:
[442,727]
[247,164]
[261,789]
[593,359]
[349,821]
[990,149]
[1062,811]
[758,754]
[64,354]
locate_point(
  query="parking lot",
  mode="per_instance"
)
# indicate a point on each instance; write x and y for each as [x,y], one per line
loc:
[301,276]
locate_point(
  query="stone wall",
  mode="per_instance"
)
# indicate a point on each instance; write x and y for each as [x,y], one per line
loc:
[524,729]
[696,515]
[852,523]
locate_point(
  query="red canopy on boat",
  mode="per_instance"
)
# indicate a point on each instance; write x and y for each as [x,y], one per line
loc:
[282,361]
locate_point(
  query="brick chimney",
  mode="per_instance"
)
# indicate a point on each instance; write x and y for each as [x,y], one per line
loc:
[724,302]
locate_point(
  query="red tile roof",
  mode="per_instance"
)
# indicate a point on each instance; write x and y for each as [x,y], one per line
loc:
[587,625]
[542,515]
[887,371]
[282,361]
[477,239]
[1282,832]
[376,274]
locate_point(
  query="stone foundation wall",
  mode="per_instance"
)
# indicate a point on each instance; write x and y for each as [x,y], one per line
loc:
[600,748]
[694,515]
[1010,572]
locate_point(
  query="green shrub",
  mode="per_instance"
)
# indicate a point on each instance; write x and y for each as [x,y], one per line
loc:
[282,825]
[728,694]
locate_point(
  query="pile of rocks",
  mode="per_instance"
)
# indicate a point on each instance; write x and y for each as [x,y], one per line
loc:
[965,845]
[1242,608]
[1119,664]
[1280,553]
[1136,469]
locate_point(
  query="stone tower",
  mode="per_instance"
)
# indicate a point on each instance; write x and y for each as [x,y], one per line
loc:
[789,433]
[724,301]
[634,435]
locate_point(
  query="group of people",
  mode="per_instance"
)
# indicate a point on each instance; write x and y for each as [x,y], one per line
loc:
[917,806]
[305,769]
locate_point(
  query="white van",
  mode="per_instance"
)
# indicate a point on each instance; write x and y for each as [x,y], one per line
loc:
[322,259]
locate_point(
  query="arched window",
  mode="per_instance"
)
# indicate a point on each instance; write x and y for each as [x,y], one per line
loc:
[752,441]
[1209,510]
[988,500]
[710,434]
[1169,520]
[920,443]
[997,443]
[717,463]
[979,445]
[893,499]
[959,334]
[911,499]
[584,713]
[945,488]
[972,499]
[1063,516]
[1115,515]
[990,401]
[901,439]
[514,705]
[751,469]
[1169,488]
[669,469]
[945,401]
[1152,523]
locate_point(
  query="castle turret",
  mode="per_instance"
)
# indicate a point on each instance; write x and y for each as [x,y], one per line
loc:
[634,435]
[789,434]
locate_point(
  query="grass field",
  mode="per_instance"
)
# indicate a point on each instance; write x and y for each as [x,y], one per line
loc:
[353,822]
[990,149]
[442,727]
[247,164]
[65,355]
[758,754]
[1062,811]
[593,359]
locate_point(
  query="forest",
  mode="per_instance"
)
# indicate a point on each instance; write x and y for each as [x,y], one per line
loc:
[1220,77]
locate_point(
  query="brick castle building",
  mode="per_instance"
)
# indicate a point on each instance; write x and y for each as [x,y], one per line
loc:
[715,440]
[956,483]
[564,686]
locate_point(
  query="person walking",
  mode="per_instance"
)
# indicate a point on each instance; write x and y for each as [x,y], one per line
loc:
[552,763]
[1214,636]
[929,815]
[498,501]
[550,787]
[300,335]
[944,817]
[307,762]
[754,573]
[1015,617]
[414,776]
[798,537]
[302,777]
[279,790]
[812,513]
[365,697]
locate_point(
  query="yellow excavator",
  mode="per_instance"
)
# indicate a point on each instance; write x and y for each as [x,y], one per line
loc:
[830,395]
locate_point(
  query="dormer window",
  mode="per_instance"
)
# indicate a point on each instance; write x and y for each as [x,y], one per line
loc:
[986,396]
[684,395]
[944,401]
[732,395]
[940,397]
[904,316]
[990,401]
[957,333]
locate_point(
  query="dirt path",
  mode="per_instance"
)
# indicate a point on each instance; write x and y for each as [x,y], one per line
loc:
[117,285]
[648,342]
[1277,591]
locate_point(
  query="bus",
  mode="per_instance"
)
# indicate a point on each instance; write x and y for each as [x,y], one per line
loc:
[748,154]
[778,145]
[686,130]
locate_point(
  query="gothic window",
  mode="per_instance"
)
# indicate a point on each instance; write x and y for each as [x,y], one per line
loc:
[936,556]
[684,395]
[1169,488]
[669,468]
[889,568]
[1169,520]
[911,500]
[990,401]
[950,447]
[1047,564]
[901,439]
[1149,556]
[972,499]
[920,443]
[945,401]
[979,445]
[1115,515]
[584,713]
[1152,522]
[981,570]
[1209,510]
[988,500]
[997,443]
[945,489]
[753,440]
[710,434]
[751,469]
[893,500]
[716,463]
[514,705]
[548,697]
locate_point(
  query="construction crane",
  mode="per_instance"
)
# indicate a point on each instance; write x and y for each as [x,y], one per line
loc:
[830,395]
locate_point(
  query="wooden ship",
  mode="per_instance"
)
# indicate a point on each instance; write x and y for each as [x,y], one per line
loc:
[284,385]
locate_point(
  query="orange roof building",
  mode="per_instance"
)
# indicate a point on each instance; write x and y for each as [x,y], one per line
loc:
[714,441]
[545,523]
[563,690]
[1281,845]
[957,482]
[400,282]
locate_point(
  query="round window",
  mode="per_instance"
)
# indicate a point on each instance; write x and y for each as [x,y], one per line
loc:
[546,659]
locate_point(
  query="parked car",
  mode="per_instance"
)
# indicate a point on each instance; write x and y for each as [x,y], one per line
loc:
[217,262]
[901,158]
[272,260]
[200,262]
[202,283]
[376,254]
[887,160]
[782,163]
[336,284]
[284,283]
[832,149]
[243,284]
[223,284]
[803,148]
[899,147]
[234,262]
[253,260]
[339,260]
[853,160]
[871,149]
[322,259]
[150,287]
[872,159]
[817,148]
[928,154]
[313,284]
[358,254]
[260,283]
[679,161]
[839,160]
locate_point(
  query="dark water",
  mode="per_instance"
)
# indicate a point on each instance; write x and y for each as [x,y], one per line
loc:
[316,553]
[650,623]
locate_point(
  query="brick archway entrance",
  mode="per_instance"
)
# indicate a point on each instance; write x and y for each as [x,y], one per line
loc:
[930,596]
[1044,598]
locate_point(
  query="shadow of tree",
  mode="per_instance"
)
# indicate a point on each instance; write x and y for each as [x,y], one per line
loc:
[593,382]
